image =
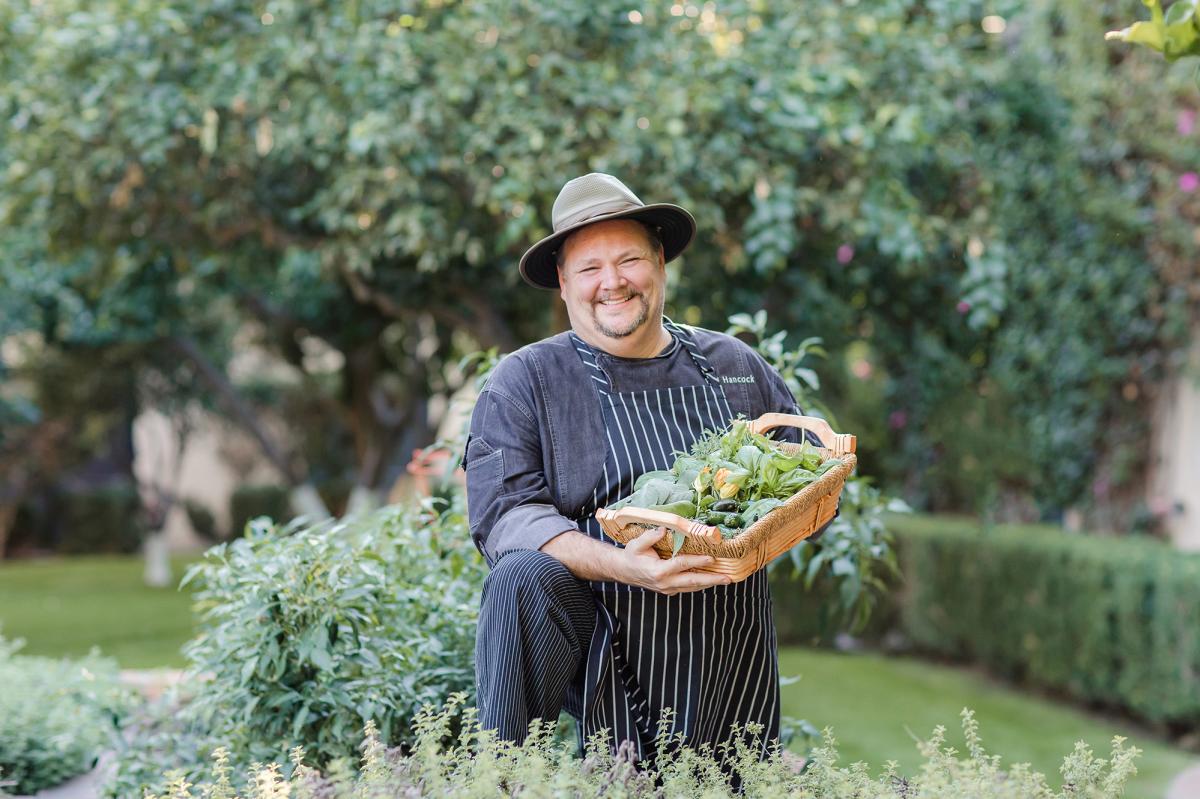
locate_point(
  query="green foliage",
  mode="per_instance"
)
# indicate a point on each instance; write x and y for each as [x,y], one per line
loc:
[58,717]
[730,479]
[474,764]
[101,520]
[1175,34]
[203,521]
[1107,621]
[249,502]
[306,634]
[851,562]
[363,176]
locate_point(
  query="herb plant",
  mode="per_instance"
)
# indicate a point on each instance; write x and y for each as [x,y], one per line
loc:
[730,480]
[472,763]
[56,717]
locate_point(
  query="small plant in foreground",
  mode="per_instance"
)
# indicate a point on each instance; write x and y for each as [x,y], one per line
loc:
[56,717]
[473,763]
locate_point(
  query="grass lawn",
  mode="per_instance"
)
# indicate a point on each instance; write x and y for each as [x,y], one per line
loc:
[63,607]
[876,705]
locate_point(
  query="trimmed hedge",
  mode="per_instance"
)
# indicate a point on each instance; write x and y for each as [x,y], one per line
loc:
[1113,621]
[251,501]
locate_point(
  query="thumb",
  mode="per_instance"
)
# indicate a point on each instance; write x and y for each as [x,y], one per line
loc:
[646,540]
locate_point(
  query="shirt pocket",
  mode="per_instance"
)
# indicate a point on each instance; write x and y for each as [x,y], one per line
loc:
[485,480]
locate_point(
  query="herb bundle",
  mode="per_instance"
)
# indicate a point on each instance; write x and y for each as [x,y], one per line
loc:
[730,480]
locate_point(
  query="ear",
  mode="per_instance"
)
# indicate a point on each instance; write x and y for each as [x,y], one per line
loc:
[562,285]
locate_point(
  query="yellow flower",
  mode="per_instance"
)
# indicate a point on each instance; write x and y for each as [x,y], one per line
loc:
[720,477]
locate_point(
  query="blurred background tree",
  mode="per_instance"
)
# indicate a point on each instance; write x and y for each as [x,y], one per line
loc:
[977,206]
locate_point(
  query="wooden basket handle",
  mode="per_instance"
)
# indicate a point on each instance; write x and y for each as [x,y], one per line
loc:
[672,521]
[838,443]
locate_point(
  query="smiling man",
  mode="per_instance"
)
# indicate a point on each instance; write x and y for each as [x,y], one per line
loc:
[618,637]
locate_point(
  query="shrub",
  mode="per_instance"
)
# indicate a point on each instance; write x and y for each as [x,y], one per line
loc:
[56,717]
[101,520]
[252,501]
[306,634]
[1112,621]
[476,765]
[203,521]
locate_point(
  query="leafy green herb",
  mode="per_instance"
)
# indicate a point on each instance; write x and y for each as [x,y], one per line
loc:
[730,479]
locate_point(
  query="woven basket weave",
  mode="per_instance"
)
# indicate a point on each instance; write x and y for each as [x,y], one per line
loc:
[774,534]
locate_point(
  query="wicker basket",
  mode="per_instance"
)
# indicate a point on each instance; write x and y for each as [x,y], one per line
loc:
[769,537]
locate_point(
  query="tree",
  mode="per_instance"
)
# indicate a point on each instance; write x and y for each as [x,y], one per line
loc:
[362,177]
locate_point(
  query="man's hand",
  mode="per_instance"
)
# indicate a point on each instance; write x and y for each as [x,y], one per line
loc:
[643,567]
[637,564]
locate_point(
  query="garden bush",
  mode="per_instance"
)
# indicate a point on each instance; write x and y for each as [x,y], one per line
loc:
[308,633]
[56,717]
[252,501]
[97,520]
[311,634]
[1111,621]
[474,764]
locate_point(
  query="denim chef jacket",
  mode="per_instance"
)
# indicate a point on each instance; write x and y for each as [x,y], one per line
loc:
[536,445]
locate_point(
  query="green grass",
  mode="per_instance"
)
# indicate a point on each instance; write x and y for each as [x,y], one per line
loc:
[63,607]
[876,706]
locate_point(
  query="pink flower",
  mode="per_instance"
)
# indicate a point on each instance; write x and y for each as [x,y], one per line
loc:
[898,420]
[963,306]
[1189,182]
[1185,122]
[845,253]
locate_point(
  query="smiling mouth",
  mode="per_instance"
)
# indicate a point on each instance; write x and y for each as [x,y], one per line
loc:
[614,302]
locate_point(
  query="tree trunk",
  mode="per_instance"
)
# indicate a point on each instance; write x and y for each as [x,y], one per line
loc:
[157,571]
[8,517]
[306,501]
[362,499]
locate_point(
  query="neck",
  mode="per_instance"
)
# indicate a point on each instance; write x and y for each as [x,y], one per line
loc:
[646,342]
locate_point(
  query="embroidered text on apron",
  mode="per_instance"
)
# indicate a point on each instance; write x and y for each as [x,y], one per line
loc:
[709,656]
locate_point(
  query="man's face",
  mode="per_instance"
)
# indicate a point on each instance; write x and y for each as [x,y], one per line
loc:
[612,279]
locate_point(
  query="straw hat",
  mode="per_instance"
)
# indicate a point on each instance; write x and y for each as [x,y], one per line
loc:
[593,198]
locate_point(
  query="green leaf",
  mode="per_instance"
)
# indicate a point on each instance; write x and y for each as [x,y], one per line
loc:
[677,542]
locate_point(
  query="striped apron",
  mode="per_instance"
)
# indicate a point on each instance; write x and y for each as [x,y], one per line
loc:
[708,657]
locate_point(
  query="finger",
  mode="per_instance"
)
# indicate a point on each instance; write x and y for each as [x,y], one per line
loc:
[694,581]
[646,540]
[683,563]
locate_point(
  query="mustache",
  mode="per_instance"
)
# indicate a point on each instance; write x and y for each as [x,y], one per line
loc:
[630,295]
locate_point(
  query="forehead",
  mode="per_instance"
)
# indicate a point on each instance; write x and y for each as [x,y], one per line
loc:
[605,239]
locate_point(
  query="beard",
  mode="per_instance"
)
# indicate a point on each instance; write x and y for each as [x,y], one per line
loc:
[626,329]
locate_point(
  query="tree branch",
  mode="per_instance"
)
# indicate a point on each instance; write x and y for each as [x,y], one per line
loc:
[240,411]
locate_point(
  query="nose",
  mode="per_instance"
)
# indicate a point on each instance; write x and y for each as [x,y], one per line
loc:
[611,277]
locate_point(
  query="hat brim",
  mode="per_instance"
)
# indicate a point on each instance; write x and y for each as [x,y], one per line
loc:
[676,229]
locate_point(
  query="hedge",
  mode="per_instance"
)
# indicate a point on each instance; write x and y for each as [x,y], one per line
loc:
[1111,621]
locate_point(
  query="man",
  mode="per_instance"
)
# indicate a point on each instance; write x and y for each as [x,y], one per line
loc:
[623,640]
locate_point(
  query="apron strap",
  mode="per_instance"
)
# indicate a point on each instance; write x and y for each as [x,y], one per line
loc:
[685,335]
[588,356]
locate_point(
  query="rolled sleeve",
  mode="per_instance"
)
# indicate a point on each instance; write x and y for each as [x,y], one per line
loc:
[509,502]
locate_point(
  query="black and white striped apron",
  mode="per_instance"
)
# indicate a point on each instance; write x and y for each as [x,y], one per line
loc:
[708,656]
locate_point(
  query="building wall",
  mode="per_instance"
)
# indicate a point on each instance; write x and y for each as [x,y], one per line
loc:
[1173,490]
[205,472]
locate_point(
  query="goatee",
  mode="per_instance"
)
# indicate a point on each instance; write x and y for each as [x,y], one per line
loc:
[622,332]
